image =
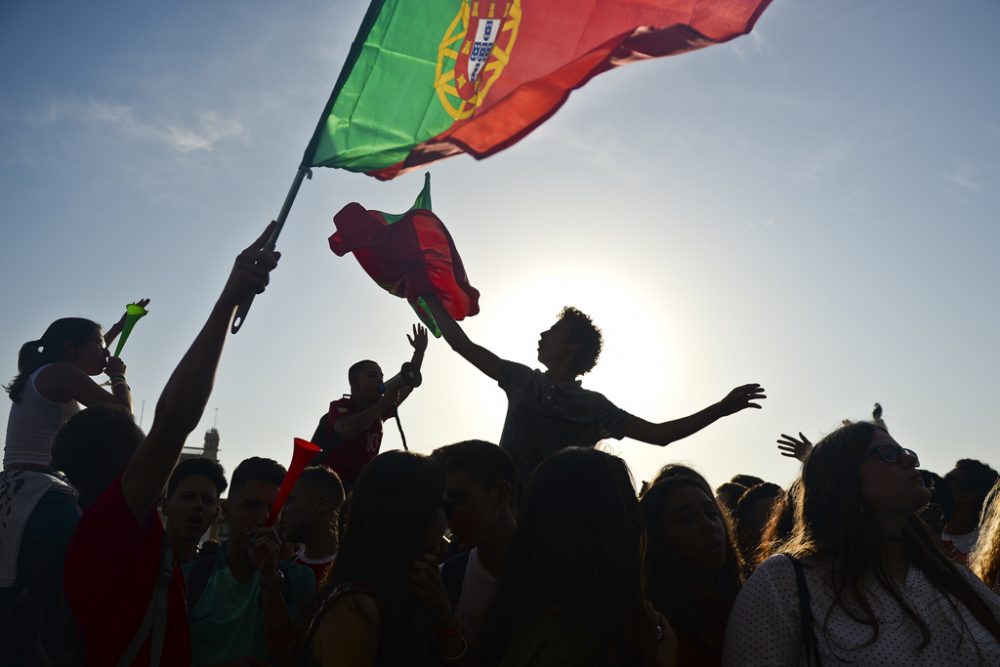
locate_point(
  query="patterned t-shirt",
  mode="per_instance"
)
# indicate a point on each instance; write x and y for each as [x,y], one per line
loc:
[764,628]
[545,416]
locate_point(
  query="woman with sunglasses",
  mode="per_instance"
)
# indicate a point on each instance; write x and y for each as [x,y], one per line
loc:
[861,580]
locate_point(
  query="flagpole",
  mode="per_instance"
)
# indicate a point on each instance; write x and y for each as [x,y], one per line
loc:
[307,158]
[241,312]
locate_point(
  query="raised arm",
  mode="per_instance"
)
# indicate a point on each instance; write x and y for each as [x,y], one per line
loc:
[418,341]
[184,398]
[476,355]
[63,381]
[664,433]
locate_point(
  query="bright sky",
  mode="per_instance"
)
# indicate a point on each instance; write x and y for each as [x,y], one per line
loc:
[813,207]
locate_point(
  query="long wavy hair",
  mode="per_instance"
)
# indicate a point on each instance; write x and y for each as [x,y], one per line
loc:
[780,524]
[393,504]
[985,557]
[833,526]
[667,578]
[51,347]
[578,555]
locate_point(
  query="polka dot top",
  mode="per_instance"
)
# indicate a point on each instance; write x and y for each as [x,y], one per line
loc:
[764,626]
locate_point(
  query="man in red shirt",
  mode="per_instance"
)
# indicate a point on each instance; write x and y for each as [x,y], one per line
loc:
[121,579]
[351,432]
[309,518]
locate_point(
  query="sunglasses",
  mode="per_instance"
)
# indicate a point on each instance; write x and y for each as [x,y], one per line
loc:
[889,454]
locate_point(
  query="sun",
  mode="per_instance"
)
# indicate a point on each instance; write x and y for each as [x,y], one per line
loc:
[634,369]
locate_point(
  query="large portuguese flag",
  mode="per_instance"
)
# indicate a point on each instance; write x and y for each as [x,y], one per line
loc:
[427,79]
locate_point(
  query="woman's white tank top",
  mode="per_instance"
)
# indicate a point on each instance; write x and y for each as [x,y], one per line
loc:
[33,424]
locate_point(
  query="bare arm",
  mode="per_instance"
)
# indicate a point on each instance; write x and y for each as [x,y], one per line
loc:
[666,432]
[354,425]
[116,328]
[419,343]
[62,382]
[348,634]
[184,398]
[476,355]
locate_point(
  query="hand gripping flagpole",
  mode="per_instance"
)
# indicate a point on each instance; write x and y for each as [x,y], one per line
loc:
[303,172]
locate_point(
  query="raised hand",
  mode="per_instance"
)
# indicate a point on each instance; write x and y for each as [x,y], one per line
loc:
[264,548]
[250,274]
[742,398]
[795,448]
[419,339]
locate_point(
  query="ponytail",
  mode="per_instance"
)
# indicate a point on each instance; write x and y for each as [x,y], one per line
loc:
[48,349]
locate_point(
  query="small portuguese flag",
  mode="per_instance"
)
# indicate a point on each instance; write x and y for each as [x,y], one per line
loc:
[427,79]
[409,255]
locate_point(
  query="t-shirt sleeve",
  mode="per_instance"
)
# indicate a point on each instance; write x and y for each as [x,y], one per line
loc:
[609,418]
[513,375]
[763,627]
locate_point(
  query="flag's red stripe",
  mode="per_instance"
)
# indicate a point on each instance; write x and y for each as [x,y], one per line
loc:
[536,82]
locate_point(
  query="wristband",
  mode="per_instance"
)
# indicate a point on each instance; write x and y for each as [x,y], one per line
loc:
[116,378]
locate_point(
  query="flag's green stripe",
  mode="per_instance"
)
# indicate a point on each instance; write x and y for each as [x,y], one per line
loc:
[423,201]
[385,102]
[374,10]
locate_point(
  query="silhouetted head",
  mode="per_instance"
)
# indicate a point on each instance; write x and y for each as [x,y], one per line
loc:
[313,504]
[192,500]
[578,554]
[479,481]
[574,339]
[94,447]
[365,378]
[72,339]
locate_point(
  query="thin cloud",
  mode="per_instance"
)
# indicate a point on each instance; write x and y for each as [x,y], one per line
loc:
[823,162]
[202,133]
[750,45]
[967,178]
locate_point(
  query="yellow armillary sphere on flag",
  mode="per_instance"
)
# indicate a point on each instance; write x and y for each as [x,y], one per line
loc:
[473,53]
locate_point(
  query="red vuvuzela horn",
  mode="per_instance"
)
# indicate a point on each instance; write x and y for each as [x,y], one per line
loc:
[304,452]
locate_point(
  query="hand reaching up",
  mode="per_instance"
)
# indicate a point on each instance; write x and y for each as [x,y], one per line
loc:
[742,398]
[251,271]
[419,339]
[795,448]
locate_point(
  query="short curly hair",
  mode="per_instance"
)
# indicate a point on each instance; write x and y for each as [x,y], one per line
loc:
[585,335]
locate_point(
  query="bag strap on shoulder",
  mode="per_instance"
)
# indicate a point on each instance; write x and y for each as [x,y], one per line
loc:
[809,644]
